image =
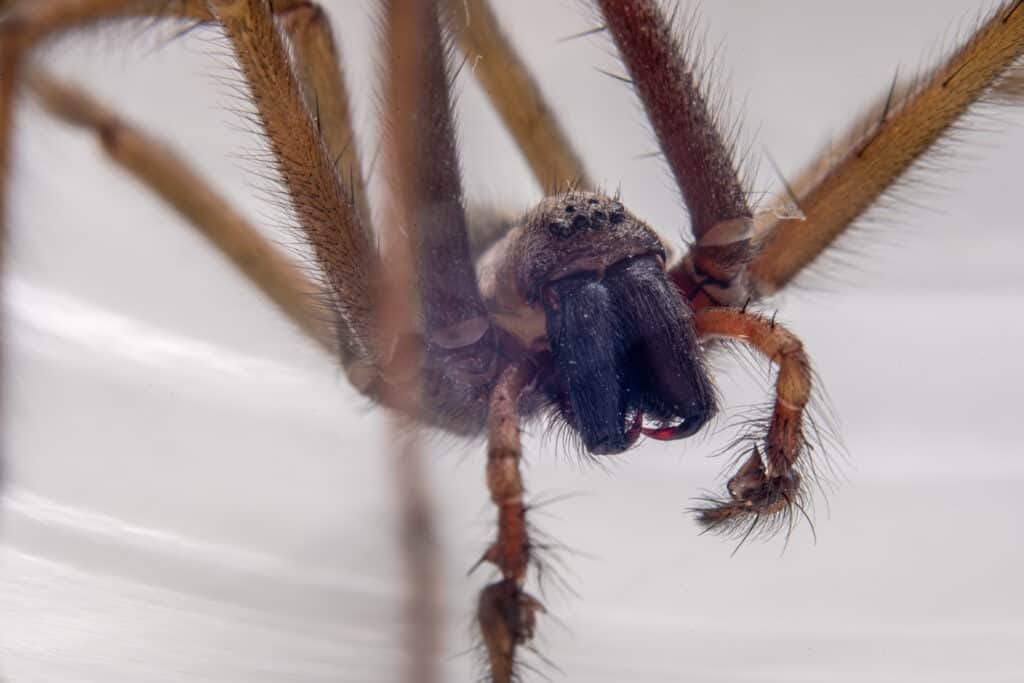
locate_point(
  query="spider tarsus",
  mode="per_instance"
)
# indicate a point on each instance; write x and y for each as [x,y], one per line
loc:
[507,616]
[753,495]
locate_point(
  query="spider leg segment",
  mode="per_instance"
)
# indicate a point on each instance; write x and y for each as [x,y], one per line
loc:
[506,613]
[527,115]
[321,81]
[326,213]
[698,155]
[516,96]
[319,70]
[425,169]
[459,344]
[882,145]
[403,386]
[178,185]
[28,22]
[768,482]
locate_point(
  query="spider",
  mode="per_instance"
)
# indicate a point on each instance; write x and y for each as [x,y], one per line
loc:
[592,431]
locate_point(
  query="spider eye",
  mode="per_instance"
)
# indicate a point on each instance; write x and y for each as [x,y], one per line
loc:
[572,233]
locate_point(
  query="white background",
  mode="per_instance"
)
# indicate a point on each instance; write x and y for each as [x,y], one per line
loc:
[195,495]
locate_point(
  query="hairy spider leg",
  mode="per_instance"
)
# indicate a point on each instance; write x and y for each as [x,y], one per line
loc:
[181,188]
[699,156]
[701,161]
[506,613]
[878,149]
[512,89]
[30,23]
[768,482]
[171,179]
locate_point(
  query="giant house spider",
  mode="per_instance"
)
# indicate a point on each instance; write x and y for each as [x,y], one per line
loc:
[241,482]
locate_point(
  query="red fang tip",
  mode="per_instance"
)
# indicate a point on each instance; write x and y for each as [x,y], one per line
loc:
[679,431]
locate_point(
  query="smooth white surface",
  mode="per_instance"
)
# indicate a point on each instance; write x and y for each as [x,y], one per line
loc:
[195,495]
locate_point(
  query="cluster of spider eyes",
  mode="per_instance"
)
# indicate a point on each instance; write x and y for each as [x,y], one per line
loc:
[592,219]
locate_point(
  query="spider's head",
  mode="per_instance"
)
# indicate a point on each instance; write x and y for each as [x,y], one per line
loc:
[623,348]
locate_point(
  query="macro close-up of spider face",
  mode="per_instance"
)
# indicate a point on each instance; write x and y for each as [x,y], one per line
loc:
[311,309]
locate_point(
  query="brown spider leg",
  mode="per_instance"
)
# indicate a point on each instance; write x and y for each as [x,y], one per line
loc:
[331,222]
[419,544]
[34,19]
[459,343]
[27,23]
[320,72]
[505,612]
[325,212]
[697,154]
[31,21]
[768,482]
[525,112]
[425,169]
[398,310]
[182,189]
[882,145]
[516,96]
[301,300]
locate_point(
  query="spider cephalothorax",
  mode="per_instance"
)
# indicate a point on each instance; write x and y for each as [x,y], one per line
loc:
[585,279]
